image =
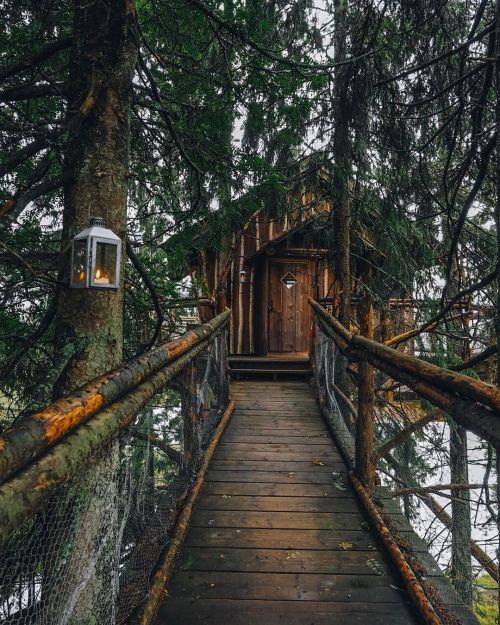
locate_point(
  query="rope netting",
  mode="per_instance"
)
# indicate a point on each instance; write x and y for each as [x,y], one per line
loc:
[88,557]
[437,488]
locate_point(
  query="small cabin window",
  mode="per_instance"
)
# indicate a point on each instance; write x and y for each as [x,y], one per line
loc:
[289,280]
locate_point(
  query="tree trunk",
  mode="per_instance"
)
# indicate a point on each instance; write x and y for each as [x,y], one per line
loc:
[81,586]
[461,562]
[365,423]
[191,419]
[90,322]
[497,227]
[461,565]
[340,185]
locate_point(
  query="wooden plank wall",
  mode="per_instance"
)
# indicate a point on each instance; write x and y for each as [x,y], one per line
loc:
[249,300]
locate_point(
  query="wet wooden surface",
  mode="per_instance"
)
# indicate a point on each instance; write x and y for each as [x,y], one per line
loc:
[277,535]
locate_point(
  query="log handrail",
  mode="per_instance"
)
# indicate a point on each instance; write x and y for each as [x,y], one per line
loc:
[29,490]
[30,437]
[472,403]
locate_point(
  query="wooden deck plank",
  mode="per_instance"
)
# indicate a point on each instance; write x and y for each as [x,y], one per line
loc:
[266,456]
[264,417]
[276,490]
[282,560]
[277,504]
[272,448]
[327,466]
[275,477]
[251,436]
[286,587]
[277,520]
[181,611]
[277,535]
[290,539]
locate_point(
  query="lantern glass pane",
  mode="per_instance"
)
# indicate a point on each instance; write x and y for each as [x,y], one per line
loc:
[105,264]
[79,269]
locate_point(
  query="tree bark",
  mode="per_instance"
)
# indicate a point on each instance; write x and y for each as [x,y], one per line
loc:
[461,565]
[497,227]
[340,185]
[103,58]
[90,322]
[365,423]
[190,418]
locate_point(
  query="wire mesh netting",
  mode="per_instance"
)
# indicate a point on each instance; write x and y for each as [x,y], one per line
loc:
[88,557]
[437,489]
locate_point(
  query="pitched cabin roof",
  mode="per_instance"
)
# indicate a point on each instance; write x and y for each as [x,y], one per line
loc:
[269,214]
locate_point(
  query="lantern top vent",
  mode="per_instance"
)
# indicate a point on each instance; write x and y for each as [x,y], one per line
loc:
[97,229]
[98,221]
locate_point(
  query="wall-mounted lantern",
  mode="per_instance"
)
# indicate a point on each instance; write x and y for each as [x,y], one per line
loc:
[95,257]
[243,276]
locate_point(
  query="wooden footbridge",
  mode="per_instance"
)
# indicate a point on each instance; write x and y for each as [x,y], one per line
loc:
[272,515]
[278,535]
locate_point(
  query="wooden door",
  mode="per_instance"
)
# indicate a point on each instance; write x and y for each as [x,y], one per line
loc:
[290,284]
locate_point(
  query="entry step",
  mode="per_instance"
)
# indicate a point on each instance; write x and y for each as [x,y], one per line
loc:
[270,367]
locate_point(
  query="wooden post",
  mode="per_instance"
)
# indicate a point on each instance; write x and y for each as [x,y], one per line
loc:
[365,435]
[385,334]
[191,425]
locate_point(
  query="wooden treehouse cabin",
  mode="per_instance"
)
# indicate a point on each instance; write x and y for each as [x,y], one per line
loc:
[266,270]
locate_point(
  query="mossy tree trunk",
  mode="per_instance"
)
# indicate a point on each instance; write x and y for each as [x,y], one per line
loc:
[90,322]
[341,149]
[82,584]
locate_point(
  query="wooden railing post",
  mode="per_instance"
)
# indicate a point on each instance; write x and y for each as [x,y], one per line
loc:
[365,433]
[190,418]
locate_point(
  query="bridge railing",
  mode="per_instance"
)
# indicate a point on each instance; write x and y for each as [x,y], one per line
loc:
[91,487]
[426,461]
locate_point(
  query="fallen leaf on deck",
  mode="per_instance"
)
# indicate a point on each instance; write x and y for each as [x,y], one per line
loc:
[338,481]
[345,546]
[375,566]
[318,462]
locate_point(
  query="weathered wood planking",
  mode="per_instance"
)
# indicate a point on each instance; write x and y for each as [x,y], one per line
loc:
[277,535]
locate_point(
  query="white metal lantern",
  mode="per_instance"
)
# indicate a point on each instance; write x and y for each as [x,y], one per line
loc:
[95,257]
[243,276]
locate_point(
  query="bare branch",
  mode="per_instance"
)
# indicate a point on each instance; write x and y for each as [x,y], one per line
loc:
[37,58]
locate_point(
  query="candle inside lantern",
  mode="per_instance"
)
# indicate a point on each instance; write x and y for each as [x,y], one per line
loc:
[101,277]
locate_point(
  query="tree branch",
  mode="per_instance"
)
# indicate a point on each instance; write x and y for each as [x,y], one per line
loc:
[432,323]
[37,58]
[28,150]
[29,92]
[238,32]
[152,291]
[445,55]
[168,450]
[22,198]
[403,434]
